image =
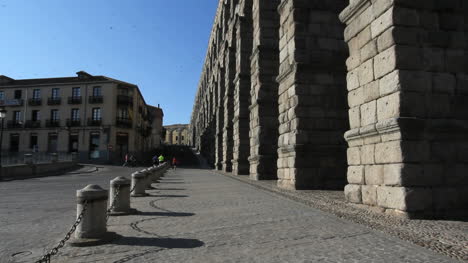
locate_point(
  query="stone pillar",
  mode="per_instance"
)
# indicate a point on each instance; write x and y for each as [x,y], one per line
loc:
[264,91]
[312,96]
[407,84]
[220,120]
[230,61]
[240,163]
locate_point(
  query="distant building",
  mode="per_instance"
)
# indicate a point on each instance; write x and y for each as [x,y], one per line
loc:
[98,117]
[176,134]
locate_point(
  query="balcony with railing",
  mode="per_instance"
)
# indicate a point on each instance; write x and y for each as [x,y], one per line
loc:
[35,102]
[14,124]
[124,100]
[94,122]
[33,124]
[95,99]
[73,122]
[12,102]
[123,122]
[54,101]
[74,100]
[53,123]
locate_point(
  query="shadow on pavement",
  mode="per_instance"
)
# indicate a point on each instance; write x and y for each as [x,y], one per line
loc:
[175,214]
[171,189]
[159,242]
[163,182]
[175,196]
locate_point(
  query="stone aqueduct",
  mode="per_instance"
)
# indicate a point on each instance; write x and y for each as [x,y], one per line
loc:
[366,95]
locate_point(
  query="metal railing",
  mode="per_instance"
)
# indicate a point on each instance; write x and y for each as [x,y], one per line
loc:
[37,158]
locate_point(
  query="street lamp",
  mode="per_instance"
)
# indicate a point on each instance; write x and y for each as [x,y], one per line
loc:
[2,116]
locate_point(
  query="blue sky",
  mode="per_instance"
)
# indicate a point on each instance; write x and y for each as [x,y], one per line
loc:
[160,45]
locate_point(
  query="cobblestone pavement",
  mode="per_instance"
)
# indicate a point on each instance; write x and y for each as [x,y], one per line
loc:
[36,213]
[443,236]
[195,215]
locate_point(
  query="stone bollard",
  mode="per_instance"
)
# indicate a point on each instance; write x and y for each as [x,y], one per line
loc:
[28,158]
[148,180]
[92,230]
[154,174]
[54,157]
[120,204]
[138,184]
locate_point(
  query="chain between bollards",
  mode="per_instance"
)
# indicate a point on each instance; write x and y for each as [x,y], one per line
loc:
[55,250]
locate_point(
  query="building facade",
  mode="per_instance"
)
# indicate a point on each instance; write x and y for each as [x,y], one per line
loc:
[368,96]
[98,117]
[176,134]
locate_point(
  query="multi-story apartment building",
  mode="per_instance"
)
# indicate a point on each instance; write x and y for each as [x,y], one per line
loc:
[98,117]
[176,134]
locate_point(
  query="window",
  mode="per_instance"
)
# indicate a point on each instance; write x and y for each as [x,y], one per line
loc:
[123,113]
[182,138]
[94,139]
[36,94]
[17,116]
[75,114]
[35,115]
[33,142]
[55,93]
[2,95]
[14,142]
[96,114]
[54,115]
[76,92]
[123,91]
[18,94]
[97,91]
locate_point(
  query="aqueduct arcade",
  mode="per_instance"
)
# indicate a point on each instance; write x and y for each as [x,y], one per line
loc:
[369,96]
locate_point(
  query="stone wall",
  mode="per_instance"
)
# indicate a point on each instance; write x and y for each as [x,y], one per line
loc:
[365,95]
[406,82]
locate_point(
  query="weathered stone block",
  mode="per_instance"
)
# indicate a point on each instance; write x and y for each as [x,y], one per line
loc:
[355,174]
[354,156]
[368,113]
[352,79]
[369,50]
[366,72]
[385,62]
[367,154]
[374,174]
[369,195]
[356,97]
[353,193]
[383,22]
[371,91]
[404,198]
[388,152]
[354,117]
[388,106]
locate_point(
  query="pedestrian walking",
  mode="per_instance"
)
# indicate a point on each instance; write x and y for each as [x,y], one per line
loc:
[161,159]
[174,163]
[155,160]
[126,160]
